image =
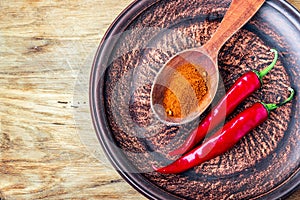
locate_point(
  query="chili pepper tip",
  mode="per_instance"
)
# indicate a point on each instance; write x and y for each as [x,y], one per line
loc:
[154,167]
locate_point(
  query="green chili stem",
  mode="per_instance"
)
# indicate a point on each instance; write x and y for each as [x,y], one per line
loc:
[273,106]
[263,72]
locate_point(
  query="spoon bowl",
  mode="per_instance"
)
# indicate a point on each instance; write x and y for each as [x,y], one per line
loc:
[183,91]
[186,103]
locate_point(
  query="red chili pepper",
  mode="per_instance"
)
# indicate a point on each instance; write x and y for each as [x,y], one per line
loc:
[242,88]
[225,138]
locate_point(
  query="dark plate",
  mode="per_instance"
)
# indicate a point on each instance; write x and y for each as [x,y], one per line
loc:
[264,164]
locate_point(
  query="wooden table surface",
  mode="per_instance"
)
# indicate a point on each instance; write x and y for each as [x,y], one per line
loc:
[48,147]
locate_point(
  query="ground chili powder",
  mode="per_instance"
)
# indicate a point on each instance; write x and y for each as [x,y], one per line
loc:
[186,89]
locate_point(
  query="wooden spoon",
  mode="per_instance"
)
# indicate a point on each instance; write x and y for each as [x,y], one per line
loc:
[205,60]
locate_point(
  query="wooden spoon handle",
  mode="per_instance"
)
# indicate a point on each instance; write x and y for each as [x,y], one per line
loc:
[238,14]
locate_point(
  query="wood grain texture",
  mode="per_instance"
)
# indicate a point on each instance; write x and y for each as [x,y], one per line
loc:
[236,16]
[48,147]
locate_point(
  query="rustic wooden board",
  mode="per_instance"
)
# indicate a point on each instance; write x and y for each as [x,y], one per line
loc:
[48,147]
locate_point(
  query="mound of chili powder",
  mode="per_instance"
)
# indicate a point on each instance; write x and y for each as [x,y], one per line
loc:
[185,91]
